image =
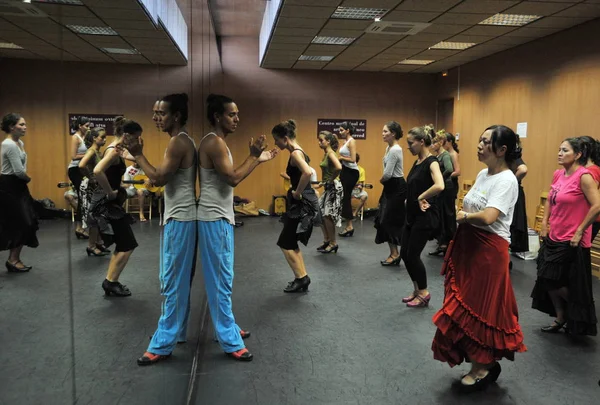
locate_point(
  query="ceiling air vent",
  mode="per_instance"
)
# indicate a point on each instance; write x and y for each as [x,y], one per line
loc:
[396,28]
[20,9]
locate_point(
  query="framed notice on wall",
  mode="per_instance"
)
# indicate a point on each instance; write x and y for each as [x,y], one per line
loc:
[105,121]
[333,125]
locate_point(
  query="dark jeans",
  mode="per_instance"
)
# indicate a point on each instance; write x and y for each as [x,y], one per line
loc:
[414,239]
[348,178]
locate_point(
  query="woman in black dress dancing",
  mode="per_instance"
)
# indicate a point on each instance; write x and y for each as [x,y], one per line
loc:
[106,209]
[302,208]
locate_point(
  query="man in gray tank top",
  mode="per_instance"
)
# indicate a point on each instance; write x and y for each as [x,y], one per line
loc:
[178,174]
[218,177]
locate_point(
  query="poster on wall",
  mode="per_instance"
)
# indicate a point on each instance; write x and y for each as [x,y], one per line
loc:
[105,121]
[333,125]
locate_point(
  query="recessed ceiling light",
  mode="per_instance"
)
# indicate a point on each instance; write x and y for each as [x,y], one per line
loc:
[415,62]
[333,40]
[82,29]
[9,45]
[453,45]
[316,58]
[511,20]
[72,2]
[358,13]
[121,51]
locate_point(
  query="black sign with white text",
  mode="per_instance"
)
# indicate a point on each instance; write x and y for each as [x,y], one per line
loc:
[333,125]
[105,121]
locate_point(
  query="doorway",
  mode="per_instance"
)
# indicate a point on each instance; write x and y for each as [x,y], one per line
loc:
[444,116]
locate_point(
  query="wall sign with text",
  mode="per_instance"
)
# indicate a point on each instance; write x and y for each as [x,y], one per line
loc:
[333,125]
[105,121]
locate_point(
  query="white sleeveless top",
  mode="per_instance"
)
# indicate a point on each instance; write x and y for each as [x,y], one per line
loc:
[180,192]
[216,196]
[345,151]
[81,149]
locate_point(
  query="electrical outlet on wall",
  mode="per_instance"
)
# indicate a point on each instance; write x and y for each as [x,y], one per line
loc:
[457,135]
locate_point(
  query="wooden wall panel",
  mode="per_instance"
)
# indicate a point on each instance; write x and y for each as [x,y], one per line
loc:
[553,84]
[266,97]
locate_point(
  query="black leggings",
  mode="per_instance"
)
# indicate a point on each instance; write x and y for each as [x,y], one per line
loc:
[448,207]
[349,178]
[76,177]
[595,229]
[414,239]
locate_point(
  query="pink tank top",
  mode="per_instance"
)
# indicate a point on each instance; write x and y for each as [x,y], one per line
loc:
[568,207]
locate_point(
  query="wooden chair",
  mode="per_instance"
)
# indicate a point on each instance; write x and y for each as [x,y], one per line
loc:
[132,206]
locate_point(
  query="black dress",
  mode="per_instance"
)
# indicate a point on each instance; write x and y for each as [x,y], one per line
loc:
[110,216]
[18,220]
[301,215]
[418,181]
[519,238]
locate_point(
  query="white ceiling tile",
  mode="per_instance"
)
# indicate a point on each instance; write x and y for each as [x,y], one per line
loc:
[587,10]
[410,16]
[421,5]
[461,18]
[484,6]
[538,8]
[289,22]
[308,12]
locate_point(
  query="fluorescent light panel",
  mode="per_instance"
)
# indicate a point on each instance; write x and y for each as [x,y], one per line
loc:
[82,29]
[510,20]
[71,2]
[453,45]
[316,58]
[9,45]
[121,51]
[333,40]
[358,13]
[415,62]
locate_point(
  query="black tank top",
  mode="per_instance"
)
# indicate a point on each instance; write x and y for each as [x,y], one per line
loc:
[295,172]
[115,173]
[419,180]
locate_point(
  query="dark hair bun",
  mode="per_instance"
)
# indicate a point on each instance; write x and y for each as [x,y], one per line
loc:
[292,124]
[211,97]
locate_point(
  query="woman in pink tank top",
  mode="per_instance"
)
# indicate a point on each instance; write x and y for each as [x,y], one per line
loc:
[563,288]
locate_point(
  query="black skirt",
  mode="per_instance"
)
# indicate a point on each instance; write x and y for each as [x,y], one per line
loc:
[560,265]
[300,218]
[519,238]
[391,214]
[112,220]
[18,220]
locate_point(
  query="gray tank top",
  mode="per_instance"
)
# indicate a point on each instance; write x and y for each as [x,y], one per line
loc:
[216,196]
[180,192]
[81,149]
[345,151]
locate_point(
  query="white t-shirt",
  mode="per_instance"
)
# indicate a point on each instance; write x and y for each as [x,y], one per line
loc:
[498,191]
[131,172]
[313,175]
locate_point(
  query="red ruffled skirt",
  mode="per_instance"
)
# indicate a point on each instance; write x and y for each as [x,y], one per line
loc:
[479,320]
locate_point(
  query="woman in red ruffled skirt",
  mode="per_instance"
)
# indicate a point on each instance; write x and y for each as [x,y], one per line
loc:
[478,321]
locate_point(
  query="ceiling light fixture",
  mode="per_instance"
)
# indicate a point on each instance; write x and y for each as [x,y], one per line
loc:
[358,13]
[333,40]
[316,58]
[122,51]
[415,62]
[510,20]
[71,2]
[9,45]
[453,45]
[82,29]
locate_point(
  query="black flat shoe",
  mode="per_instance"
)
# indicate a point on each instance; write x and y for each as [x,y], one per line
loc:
[394,262]
[298,285]
[554,328]
[346,234]
[480,384]
[330,249]
[95,251]
[103,248]
[115,288]
[437,251]
[11,268]
[494,372]
[323,246]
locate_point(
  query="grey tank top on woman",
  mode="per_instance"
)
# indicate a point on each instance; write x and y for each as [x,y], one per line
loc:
[81,149]
[180,192]
[216,196]
[345,151]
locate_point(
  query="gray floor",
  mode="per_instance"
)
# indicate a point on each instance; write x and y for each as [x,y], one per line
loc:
[348,341]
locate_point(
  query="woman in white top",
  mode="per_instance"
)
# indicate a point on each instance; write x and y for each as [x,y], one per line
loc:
[18,222]
[349,175]
[478,321]
[78,149]
[391,216]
